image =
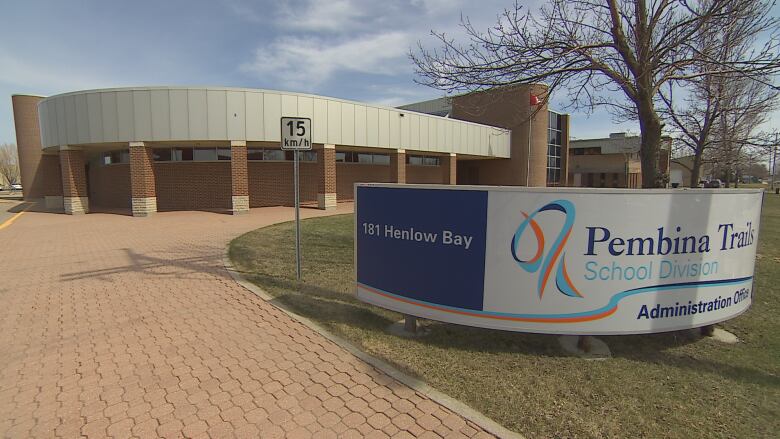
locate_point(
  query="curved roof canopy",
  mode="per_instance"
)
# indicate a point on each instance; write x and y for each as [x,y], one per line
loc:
[190,114]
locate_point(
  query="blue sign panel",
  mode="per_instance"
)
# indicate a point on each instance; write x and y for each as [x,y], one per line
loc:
[427,245]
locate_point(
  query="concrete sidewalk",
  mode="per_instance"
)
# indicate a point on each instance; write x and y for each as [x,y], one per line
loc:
[119,326]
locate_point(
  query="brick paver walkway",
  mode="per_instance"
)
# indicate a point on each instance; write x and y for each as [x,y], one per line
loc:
[119,326]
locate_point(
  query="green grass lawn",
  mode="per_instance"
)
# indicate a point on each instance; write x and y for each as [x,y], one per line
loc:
[662,385]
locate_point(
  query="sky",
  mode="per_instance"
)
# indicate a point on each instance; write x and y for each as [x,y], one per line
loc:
[350,49]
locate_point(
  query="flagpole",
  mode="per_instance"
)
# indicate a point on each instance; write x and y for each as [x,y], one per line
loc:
[530,124]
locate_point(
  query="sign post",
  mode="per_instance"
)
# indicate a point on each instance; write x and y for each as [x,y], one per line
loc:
[296,137]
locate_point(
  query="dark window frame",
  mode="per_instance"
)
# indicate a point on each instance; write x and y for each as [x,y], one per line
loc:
[554,148]
[355,157]
[115,157]
[180,154]
[286,156]
[430,161]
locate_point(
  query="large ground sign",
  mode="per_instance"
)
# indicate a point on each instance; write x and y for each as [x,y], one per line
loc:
[558,260]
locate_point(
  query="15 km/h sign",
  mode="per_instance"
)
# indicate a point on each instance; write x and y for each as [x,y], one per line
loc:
[296,136]
[296,133]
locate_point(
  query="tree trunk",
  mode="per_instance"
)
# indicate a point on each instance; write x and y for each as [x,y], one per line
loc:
[650,125]
[696,168]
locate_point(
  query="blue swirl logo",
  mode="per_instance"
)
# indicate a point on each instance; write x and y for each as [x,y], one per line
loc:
[555,257]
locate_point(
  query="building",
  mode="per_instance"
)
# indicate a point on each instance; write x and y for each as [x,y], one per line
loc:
[680,172]
[538,155]
[611,162]
[144,149]
[178,148]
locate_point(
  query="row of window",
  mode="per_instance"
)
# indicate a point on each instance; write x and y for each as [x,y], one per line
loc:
[423,160]
[184,154]
[191,154]
[277,155]
[362,157]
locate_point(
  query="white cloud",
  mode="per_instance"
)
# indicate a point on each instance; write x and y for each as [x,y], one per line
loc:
[322,15]
[305,63]
[438,6]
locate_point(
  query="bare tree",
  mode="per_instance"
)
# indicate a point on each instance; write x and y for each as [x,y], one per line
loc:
[618,53]
[9,163]
[729,104]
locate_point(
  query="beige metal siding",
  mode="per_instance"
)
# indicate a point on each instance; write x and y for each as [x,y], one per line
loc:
[198,113]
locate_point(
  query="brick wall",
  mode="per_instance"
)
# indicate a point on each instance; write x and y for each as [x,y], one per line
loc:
[109,186]
[347,174]
[142,172]
[193,185]
[239,171]
[398,167]
[51,175]
[508,107]
[28,144]
[271,183]
[424,174]
[74,178]
[326,158]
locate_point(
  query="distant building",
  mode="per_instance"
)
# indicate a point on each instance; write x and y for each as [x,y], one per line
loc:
[680,172]
[611,162]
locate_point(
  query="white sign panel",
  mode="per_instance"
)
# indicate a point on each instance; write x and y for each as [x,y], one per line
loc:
[558,261]
[296,134]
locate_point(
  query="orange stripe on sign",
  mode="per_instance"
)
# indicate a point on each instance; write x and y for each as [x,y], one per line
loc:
[494,317]
[566,276]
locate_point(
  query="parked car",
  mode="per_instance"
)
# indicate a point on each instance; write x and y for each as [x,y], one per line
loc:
[714,184]
[16,187]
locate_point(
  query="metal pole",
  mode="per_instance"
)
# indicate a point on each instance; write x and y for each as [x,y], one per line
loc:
[297,221]
[528,161]
[774,164]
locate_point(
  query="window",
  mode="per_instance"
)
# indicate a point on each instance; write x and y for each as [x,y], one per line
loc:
[162,155]
[365,158]
[254,154]
[224,154]
[381,159]
[204,155]
[422,160]
[187,154]
[116,157]
[273,154]
[277,155]
[554,142]
[182,154]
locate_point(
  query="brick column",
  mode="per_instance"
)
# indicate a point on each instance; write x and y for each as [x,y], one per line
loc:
[326,185]
[51,171]
[449,169]
[74,181]
[143,192]
[240,177]
[398,166]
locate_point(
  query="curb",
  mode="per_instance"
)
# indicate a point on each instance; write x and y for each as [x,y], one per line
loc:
[445,400]
[16,216]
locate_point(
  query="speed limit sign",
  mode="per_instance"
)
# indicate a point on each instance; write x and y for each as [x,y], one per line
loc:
[296,137]
[296,133]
